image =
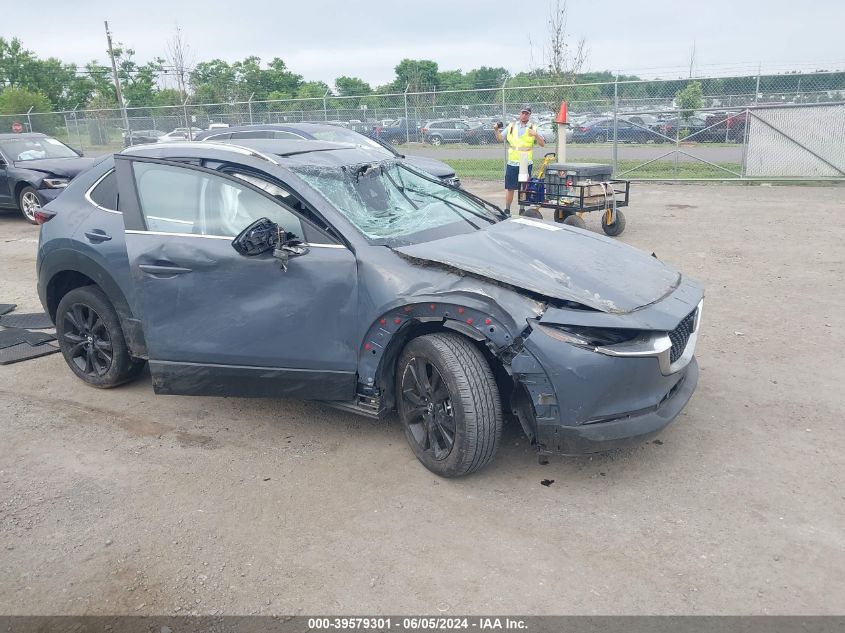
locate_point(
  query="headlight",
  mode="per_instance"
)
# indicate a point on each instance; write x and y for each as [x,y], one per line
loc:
[588,337]
[55,183]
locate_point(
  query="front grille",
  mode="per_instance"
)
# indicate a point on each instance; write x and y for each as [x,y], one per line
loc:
[680,335]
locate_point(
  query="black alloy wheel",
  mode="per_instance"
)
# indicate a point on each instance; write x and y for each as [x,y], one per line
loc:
[91,339]
[89,344]
[448,403]
[430,417]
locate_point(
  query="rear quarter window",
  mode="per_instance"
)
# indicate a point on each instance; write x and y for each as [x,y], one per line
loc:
[104,193]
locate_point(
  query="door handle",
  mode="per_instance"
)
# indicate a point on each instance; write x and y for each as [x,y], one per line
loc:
[97,235]
[163,271]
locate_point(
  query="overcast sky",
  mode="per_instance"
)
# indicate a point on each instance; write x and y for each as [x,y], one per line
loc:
[322,40]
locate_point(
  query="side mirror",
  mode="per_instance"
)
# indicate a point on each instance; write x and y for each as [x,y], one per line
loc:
[263,236]
[259,237]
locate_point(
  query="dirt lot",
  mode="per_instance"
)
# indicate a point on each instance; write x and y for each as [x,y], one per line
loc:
[125,502]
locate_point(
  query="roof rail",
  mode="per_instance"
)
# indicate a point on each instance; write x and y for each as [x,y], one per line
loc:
[246,151]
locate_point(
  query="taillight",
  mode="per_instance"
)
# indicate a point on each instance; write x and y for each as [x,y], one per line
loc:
[377,131]
[43,215]
[424,130]
[583,129]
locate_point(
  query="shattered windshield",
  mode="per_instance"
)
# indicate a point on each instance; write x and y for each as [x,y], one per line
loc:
[388,200]
[33,148]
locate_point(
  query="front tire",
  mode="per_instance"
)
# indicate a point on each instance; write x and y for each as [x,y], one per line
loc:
[29,203]
[91,339]
[448,403]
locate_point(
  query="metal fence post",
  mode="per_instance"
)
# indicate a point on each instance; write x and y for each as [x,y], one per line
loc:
[616,124]
[504,116]
[743,167]
[407,120]
[29,118]
[67,128]
[757,89]
[249,105]
[187,120]
[325,111]
[78,135]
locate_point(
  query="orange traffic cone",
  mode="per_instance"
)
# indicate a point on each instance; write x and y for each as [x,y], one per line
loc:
[561,115]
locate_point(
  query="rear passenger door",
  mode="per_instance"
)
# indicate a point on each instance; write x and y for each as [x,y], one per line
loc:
[216,322]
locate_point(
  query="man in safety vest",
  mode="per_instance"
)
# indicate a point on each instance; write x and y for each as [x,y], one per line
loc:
[520,136]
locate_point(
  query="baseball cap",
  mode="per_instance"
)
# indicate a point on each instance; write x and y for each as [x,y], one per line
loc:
[525,108]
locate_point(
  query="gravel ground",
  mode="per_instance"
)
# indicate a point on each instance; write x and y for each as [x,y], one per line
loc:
[123,502]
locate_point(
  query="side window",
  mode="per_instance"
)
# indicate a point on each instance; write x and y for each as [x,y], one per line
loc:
[179,200]
[253,134]
[105,193]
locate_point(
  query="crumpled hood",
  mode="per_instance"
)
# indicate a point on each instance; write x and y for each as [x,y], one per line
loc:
[63,167]
[556,261]
[436,168]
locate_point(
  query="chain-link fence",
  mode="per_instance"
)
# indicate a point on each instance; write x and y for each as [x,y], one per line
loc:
[698,128]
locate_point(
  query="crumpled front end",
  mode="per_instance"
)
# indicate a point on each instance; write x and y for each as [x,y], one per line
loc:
[583,397]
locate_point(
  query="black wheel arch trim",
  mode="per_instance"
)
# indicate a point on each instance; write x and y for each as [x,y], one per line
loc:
[66,260]
[387,336]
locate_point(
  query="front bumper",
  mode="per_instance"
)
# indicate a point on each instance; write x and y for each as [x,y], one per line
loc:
[583,401]
[48,195]
[625,430]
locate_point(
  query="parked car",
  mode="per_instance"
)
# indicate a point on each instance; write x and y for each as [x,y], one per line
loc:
[442,131]
[34,169]
[480,133]
[323,132]
[180,134]
[646,121]
[726,127]
[139,137]
[325,271]
[398,132]
[547,131]
[601,131]
[692,129]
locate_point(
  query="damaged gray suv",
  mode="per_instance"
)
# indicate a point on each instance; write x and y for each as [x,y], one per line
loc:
[303,269]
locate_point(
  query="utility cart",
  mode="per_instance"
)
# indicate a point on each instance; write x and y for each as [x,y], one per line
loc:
[572,189]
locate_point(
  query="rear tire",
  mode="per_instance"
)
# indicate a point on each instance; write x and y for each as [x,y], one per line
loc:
[435,140]
[576,221]
[91,339]
[29,203]
[448,403]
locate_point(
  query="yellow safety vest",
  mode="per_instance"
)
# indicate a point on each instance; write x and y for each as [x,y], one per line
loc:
[518,144]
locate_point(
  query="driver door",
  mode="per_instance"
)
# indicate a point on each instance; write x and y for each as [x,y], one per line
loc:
[216,322]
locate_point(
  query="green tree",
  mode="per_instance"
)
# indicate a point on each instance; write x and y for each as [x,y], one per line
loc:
[312,90]
[486,77]
[213,82]
[20,100]
[277,78]
[418,74]
[689,99]
[351,87]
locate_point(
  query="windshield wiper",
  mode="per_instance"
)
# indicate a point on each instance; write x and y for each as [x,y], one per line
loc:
[454,205]
[401,189]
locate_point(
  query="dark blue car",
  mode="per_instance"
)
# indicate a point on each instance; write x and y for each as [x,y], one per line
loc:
[325,271]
